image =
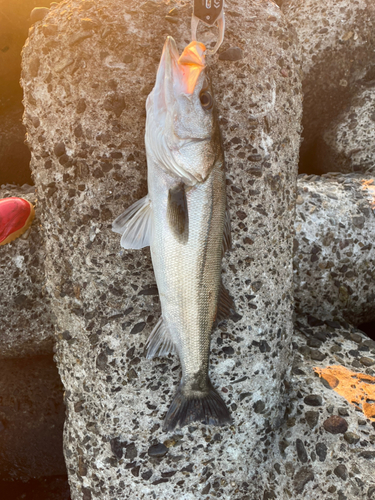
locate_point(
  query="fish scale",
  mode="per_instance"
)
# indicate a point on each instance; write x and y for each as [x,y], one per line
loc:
[183,272]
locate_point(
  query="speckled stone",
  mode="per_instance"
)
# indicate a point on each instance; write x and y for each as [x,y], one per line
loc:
[334,262]
[348,144]
[313,400]
[334,254]
[351,437]
[157,450]
[27,323]
[231,54]
[89,95]
[338,41]
[335,462]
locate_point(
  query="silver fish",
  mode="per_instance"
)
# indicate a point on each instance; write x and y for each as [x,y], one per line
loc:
[185,222]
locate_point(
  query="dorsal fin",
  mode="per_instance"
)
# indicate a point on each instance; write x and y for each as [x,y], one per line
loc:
[225,304]
[177,212]
[227,234]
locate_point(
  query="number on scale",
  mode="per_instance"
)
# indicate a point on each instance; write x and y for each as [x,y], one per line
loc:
[208,11]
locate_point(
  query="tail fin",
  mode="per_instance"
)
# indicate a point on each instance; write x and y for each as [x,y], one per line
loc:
[206,407]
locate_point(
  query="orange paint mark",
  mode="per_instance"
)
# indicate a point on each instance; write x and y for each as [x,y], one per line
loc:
[369,186]
[357,388]
[192,62]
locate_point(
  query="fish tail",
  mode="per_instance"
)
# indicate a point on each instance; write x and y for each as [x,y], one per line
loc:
[206,407]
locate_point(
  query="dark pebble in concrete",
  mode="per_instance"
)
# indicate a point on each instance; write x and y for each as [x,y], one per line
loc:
[312,418]
[157,450]
[313,400]
[245,395]
[301,451]
[313,342]
[59,149]
[232,54]
[351,438]
[259,407]
[343,412]
[366,361]
[317,355]
[137,328]
[321,451]
[333,324]
[146,475]
[334,381]
[228,350]
[341,472]
[335,425]
[302,477]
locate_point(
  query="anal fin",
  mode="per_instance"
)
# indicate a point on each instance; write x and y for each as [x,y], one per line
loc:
[159,342]
[135,225]
[225,304]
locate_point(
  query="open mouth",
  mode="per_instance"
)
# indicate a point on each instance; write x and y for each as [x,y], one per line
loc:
[185,68]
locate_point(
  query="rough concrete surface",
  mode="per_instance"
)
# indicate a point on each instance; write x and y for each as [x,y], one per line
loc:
[327,445]
[334,253]
[326,283]
[87,69]
[338,42]
[26,327]
[31,419]
[348,144]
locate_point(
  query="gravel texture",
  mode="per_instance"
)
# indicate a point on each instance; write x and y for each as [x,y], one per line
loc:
[327,445]
[334,253]
[87,69]
[26,327]
[338,42]
[334,262]
[348,144]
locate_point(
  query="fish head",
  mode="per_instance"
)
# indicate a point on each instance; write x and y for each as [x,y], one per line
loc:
[182,133]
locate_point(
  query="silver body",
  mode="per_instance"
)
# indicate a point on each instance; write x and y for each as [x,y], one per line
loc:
[188,274]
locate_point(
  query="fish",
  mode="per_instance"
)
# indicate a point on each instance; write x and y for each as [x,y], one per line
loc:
[185,221]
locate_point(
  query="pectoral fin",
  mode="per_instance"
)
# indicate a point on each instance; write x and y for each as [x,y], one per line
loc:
[135,225]
[177,212]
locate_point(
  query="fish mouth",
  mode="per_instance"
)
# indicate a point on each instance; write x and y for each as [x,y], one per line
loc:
[183,70]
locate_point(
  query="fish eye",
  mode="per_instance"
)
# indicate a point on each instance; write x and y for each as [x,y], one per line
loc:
[206,100]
